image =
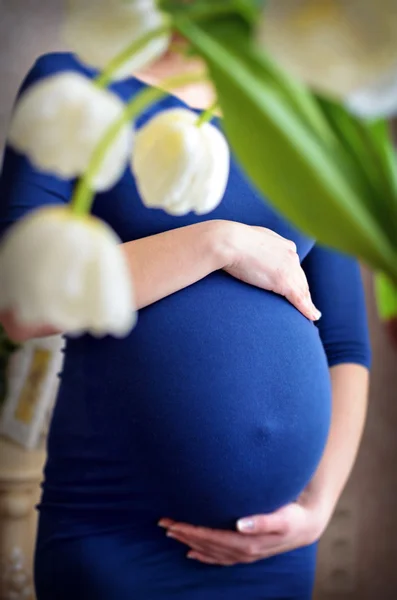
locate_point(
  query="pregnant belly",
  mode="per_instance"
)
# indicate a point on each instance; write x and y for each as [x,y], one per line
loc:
[216,406]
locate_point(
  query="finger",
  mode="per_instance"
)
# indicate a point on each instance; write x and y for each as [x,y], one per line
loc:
[302,279]
[300,300]
[274,525]
[293,284]
[166,523]
[295,273]
[303,286]
[217,537]
[305,305]
[194,545]
[202,558]
[247,551]
[209,560]
[302,283]
[227,543]
[216,552]
[297,293]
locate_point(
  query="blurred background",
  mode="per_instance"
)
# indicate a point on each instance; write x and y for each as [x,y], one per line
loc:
[358,554]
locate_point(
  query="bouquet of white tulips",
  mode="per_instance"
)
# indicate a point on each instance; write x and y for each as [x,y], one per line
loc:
[304,88]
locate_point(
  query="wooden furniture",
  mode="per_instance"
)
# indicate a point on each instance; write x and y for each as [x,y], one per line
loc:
[20,477]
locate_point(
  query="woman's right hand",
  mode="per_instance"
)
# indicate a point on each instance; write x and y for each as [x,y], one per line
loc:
[266,260]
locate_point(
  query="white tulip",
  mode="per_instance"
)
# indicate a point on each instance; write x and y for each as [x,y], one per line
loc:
[376,100]
[68,272]
[338,47]
[58,123]
[98,30]
[180,166]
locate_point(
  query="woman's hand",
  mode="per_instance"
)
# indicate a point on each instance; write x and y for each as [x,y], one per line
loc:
[21,333]
[265,259]
[294,526]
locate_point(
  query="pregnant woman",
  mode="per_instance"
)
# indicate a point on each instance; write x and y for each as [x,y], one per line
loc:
[226,401]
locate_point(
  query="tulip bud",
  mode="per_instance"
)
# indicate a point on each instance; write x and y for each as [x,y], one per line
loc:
[67,272]
[58,123]
[180,166]
[98,30]
[345,49]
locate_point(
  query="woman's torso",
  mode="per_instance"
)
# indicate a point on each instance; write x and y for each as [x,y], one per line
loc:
[217,404]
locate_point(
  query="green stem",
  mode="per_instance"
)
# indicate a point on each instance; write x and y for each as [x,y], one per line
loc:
[207,114]
[202,11]
[386,296]
[103,80]
[83,196]
[195,13]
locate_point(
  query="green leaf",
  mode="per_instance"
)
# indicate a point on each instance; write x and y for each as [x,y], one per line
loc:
[249,10]
[369,145]
[309,178]
[386,297]
[262,67]
[383,140]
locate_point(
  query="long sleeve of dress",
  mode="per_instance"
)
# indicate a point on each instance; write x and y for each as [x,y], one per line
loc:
[337,290]
[22,187]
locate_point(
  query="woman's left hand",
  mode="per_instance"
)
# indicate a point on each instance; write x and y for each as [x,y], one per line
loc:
[261,536]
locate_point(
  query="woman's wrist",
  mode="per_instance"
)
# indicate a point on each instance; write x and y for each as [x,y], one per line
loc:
[323,499]
[221,237]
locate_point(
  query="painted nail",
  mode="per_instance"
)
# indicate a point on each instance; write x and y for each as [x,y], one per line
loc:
[245,525]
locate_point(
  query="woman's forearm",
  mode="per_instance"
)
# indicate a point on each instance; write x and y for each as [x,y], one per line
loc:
[165,263]
[349,407]
[171,261]
[160,265]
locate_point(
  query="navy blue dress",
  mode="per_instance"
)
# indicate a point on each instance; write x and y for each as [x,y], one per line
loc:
[216,406]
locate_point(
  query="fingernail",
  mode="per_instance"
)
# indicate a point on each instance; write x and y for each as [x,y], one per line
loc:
[162,523]
[317,314]
[245,525]
[191,556]
[170,534]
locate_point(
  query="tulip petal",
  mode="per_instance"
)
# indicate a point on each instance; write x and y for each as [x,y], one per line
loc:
[218,171]
[180,166]
[376,101]
[166,148]
[335,46]
[98,30]
[66,272]
[58,123]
